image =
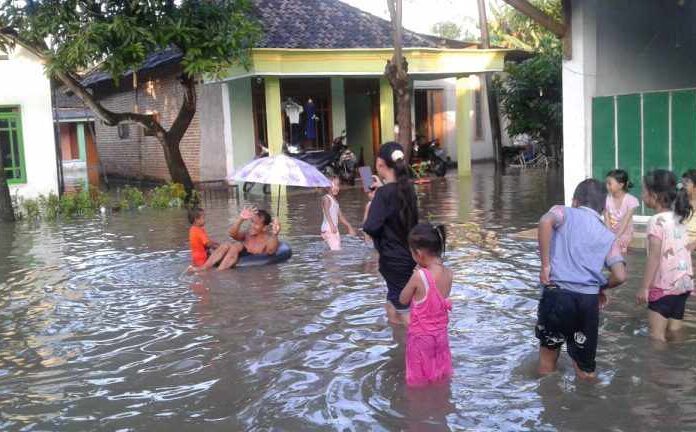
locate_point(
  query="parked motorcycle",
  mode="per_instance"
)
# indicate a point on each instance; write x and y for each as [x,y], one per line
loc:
[248,186]
[339,161]
[432,153]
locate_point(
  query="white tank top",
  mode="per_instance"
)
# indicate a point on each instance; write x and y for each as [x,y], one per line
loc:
[333,214]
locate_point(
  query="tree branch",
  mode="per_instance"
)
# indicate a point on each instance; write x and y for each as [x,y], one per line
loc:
[541,18]
[109,117]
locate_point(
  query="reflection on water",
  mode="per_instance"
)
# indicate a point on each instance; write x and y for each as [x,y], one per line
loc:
[100,329]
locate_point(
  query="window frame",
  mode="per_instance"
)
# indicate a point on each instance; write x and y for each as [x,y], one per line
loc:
[22,179]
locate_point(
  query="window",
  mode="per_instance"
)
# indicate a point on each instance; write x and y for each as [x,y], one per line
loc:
[12,146]
[147,132]
[123,130]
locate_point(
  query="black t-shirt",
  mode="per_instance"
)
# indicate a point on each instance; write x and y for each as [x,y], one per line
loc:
[383,225]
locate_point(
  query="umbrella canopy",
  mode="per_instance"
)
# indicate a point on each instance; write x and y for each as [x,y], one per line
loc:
[282,170]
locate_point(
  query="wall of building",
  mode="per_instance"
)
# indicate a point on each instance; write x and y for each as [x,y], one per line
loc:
[140,156]
[617,49]
[24,84]
[240,147]
[358,109]
[212,154]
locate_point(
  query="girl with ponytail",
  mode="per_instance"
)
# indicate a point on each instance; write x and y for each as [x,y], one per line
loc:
[668,278]
[392,215]
[619,208]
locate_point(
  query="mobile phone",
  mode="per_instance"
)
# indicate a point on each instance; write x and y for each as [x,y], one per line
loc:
[366,177]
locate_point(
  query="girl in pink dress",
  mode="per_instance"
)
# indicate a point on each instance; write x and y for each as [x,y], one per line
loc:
[428,357]
[619,208]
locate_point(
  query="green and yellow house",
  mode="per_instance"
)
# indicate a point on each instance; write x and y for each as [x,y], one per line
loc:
[316,72]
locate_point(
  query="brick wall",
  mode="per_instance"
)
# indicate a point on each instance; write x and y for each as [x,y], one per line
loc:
[140,156]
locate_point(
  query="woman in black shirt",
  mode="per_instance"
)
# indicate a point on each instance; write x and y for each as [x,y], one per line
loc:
[392,215]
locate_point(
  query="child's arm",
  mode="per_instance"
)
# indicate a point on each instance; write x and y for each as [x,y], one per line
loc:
[272,244]
[626,221]
[410,289]
[367,210]
[344,221]
[236,230]
[605,217]
[326,208]
[651,266]
[546,227]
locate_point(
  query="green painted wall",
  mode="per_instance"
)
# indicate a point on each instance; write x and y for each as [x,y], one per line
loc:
[648,131]
[81,143]
[338,106]
[243,147]
[359,125]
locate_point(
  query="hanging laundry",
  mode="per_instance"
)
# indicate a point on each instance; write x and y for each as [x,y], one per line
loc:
[293,111]
[311,124]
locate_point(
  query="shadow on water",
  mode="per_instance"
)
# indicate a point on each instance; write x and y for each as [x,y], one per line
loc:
[100,328]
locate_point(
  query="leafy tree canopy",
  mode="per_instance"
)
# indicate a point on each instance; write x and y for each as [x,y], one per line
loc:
[512,29]
[76,35]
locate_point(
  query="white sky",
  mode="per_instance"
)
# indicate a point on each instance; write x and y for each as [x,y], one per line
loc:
[420,15]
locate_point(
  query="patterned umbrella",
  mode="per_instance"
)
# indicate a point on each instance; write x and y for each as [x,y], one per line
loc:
[282,170]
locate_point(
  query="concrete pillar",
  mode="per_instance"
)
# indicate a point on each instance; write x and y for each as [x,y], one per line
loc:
[338,107]
[463,126]
[81,143]
[579,86]
[274,116]
[386,110]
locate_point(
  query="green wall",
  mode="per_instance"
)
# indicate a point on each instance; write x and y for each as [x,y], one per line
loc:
[359,125]
[644,131]
[243,146]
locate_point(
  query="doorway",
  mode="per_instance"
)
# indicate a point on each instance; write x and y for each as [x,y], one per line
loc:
[429,107]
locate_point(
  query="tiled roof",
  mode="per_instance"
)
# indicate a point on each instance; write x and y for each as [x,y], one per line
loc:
[328,24]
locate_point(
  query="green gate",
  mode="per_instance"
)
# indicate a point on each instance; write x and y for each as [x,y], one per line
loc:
[644,131]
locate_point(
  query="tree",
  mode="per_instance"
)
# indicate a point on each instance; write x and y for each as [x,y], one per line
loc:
[530,92]
[447,30]
[396,72]
[74,35]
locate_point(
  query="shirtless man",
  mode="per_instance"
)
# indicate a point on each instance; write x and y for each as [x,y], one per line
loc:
[261,238]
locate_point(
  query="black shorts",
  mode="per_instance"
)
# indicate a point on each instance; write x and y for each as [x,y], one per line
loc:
[396,278]
[572,318]
[670,306]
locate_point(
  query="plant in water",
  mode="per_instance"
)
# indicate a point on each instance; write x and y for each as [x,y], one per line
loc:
[132,198]
[30,209]
[49,206]
[167,195]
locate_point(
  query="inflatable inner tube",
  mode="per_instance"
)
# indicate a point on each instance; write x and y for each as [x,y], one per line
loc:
[283,254]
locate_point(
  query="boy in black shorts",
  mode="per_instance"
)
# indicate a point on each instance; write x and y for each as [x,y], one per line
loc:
[575,246]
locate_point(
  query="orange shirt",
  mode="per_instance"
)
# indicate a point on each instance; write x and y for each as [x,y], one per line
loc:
[198,238]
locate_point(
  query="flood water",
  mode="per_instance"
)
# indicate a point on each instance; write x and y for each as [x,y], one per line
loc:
[100,329]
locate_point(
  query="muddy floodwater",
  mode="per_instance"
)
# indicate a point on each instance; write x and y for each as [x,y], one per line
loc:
[101,330]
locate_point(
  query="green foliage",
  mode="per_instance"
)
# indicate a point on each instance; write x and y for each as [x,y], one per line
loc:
[50,206]
[512,29]
[167,195]
[530,91]
[132,198]
[30,209]
[83,203]
[119,35]
[447,29]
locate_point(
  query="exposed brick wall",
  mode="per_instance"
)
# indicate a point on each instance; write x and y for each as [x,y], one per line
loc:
[140,156]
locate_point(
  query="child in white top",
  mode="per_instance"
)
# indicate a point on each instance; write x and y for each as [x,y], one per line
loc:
[332,215]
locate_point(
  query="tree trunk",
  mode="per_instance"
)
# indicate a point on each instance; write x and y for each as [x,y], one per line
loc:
[175,163]
[494,119]
[396,72]
[6,210]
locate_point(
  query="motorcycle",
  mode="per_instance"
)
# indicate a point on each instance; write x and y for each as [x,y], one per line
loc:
[248,186]
[339,161]
[432,154]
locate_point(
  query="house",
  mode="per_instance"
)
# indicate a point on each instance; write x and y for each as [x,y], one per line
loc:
[629,89]
[26,125]
[316,72]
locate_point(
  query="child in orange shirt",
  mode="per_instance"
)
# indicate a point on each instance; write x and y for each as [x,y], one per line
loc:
[201,245]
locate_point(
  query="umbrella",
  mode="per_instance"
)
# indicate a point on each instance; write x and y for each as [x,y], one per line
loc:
[282,170]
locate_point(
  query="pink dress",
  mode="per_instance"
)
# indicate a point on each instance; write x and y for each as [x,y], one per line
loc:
[428,357]
[615,214]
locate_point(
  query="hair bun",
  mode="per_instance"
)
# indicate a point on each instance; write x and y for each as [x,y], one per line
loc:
[397,155]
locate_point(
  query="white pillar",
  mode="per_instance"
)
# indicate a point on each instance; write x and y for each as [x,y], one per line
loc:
[579,86]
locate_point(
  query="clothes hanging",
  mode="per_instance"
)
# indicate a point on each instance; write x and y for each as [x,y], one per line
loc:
[293,111]
[311,123]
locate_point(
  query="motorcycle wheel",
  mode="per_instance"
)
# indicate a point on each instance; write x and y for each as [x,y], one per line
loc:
[439,167]
[248,186]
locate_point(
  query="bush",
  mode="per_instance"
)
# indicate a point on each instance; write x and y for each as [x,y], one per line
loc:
[132,198]
[30,209]
[49,206]
[167,195]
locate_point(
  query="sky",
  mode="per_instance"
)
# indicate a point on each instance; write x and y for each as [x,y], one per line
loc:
[420,15]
